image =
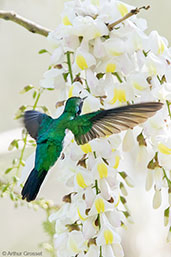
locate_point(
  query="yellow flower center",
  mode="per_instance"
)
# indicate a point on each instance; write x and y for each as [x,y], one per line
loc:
[111,67]
[164,149]
[66,21]
[102,169]
[99,204]
[73,245]
[117,160]
[161,47]
[80,216]
[122,9]
[119,94]
[108,235]
[152,69]
[115,53]
[86,148]
[80,180]
[97,34]
[81,62]
[138,86]
[95,2]
[70,93]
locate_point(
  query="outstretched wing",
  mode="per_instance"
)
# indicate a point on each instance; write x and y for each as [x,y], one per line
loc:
[36,122]
[106,122]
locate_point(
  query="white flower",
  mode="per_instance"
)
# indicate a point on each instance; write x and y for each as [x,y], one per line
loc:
[128,141]
[83,178]
[154,65]
[69,244]
[157,199]
[112,68]
[164,151]
[149,180]
[57,57]
[89,229]
[110,241]
[83,60]
[156,43]
[114,47]
[100,205]
[53,78]
[89,28]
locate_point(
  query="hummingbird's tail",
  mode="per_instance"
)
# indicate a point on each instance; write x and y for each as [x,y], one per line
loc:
[32,185]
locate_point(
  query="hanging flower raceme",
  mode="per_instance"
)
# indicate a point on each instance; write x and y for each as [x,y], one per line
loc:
[112,66]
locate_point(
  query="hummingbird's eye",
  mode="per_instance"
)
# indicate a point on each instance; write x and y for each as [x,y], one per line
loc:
[79,109]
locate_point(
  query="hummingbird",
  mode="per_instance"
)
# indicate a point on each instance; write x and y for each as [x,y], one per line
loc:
[49,133]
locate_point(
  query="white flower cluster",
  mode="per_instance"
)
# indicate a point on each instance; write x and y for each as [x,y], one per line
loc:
[113,66]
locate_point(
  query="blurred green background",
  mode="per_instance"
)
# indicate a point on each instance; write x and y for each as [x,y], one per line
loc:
[20,65]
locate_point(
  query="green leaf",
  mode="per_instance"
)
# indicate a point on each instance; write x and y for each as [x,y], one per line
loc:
[5,188]
[45,109]
[123,174]
[23,163]
[31,141]
[22,108]
[65,75]
[49,227]
[13,144]
[50,89]
[18,116]
[42,51]
[8,170]
[34,94]
[14,162]
[123,200]
[26,89]
[24,132]
[166,212]
[12,196]
[15,179]
[100,75]
[20,111]
[106,37]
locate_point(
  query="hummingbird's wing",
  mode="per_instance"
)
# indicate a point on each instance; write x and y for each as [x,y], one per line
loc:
[106,122]
[36,122]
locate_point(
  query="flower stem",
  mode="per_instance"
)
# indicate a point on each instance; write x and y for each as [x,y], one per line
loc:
[69,66]
[118,77]
[26,136]
[167,179]
[37,98]
[96,186]
[98,215]
[168,107]
[128,15]
[100,252]
[22,154]
[97,192]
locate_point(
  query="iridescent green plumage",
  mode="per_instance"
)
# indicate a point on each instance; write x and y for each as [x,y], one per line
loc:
[49,133]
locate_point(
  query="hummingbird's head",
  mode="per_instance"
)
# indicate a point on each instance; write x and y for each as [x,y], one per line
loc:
[74,105]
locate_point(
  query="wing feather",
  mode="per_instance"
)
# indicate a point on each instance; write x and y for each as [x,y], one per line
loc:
[35,121]
[108,122]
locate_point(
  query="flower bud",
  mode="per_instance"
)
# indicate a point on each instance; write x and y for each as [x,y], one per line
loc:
[157,199]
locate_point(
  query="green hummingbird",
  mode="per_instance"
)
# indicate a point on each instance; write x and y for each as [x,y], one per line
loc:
[49,133]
